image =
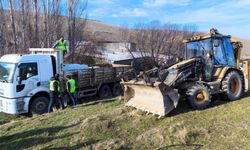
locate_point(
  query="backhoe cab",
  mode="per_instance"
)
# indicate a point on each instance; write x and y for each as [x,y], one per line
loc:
[211,66]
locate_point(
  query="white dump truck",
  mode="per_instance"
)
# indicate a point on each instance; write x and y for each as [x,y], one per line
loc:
[24,80]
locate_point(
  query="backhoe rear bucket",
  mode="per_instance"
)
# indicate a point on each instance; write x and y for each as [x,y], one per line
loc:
[157,99]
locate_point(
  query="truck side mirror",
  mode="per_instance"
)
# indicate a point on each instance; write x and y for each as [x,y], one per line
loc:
[19,80]
[216,43]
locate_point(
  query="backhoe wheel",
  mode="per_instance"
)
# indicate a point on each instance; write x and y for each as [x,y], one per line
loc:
[105,92]
[232,85]
[199,96]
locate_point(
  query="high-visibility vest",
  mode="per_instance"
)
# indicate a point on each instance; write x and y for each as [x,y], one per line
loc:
[51,86]
[61,45]
[71,82]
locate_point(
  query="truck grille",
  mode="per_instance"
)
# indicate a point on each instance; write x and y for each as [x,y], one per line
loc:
[1,91]
[20,106]
[1,103]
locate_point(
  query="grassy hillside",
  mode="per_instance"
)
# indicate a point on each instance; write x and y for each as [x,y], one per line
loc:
[4,118]
[111,125]
[104,31]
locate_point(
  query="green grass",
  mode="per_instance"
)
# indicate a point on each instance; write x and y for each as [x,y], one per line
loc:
[111,125]
[5,118]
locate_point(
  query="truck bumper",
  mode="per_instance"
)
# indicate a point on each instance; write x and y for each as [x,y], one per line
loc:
[12,106]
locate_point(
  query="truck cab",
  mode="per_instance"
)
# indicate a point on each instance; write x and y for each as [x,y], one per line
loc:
[24,82]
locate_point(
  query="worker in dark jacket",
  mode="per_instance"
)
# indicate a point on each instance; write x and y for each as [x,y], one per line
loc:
[71,88]
[55,89]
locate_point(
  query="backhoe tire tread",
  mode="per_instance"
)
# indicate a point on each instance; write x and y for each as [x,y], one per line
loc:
[226,85]
[192,94]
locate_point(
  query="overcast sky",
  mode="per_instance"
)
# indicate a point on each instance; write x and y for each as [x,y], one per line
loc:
[228,16]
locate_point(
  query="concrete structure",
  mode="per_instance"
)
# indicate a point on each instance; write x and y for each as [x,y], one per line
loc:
[115,46]
[113,51]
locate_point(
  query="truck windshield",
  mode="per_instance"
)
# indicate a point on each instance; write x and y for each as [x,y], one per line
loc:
[7,71]
[198,48]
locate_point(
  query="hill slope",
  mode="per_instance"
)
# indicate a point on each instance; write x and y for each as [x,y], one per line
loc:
[111,125]
[108,32]
[102,31]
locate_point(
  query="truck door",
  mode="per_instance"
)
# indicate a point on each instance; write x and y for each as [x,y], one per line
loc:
[28,78]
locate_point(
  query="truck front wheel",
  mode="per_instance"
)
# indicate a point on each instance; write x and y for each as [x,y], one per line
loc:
[39,105]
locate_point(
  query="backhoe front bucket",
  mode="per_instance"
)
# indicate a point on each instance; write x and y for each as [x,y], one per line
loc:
[157,99]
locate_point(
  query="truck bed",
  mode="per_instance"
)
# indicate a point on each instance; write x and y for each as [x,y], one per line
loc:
[95,76]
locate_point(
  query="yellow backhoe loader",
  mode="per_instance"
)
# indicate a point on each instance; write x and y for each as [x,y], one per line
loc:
[211,66]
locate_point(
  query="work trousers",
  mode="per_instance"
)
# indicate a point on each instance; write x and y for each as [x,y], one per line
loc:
[72,98]
[53,100]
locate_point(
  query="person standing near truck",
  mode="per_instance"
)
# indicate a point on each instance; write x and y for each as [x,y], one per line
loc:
[71,88]
[55,89]
[61,45]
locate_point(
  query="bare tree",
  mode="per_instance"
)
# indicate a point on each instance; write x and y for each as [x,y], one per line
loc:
[57,15]
[127,38]
[76,10]
[36,23]
[12,18]
[2,28]
[24,21]
[39,23]
[69,24]
[44,37]
[28,27]
[86,53]
[160,42]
